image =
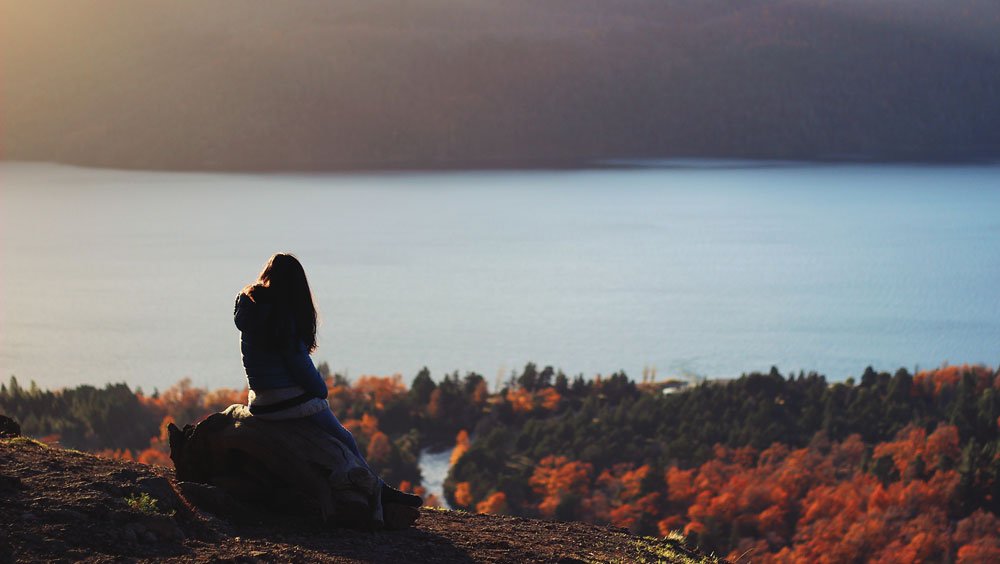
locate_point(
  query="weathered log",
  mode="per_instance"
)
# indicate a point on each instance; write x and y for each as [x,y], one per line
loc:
[289,465]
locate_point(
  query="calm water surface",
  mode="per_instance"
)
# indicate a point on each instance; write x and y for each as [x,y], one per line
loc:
[130,276]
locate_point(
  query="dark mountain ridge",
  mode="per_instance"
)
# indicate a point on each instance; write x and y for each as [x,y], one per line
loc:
[349,84]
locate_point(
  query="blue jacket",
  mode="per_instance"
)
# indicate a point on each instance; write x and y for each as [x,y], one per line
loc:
[269,367]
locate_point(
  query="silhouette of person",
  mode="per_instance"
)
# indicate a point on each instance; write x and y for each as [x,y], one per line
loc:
[277,322]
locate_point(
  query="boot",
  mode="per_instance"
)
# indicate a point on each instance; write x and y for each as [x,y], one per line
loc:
[392,495]
[398,517]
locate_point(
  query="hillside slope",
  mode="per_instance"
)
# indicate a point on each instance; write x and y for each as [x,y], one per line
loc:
[61,504]
[331,84]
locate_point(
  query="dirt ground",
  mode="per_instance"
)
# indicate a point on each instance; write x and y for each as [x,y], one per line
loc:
[62,505]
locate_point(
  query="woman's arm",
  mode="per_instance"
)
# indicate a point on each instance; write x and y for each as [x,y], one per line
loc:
[303,371]
[248,314]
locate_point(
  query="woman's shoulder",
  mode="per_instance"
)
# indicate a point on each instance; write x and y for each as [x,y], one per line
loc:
[256,293]
[252,306]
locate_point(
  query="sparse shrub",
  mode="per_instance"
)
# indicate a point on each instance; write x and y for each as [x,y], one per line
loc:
[143,503]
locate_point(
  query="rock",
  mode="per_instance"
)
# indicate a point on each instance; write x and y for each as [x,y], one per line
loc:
[10,483]
[287,465]
[9,428]
[210,498]
[209,528]
[6,551]
[125,475]
[63,515]
[152,529]
[109,488]
[162,526]
[55,546]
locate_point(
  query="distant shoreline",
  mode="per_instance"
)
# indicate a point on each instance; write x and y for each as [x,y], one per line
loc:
[684,162]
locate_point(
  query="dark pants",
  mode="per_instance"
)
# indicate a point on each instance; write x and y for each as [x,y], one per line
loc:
[329,423]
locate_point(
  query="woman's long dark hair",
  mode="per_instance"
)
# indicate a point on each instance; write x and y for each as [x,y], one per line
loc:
[283,283]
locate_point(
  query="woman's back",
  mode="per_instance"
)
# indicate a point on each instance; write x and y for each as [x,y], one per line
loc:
[262,355]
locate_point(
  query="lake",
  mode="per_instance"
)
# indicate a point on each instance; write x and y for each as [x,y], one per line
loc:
[695,270]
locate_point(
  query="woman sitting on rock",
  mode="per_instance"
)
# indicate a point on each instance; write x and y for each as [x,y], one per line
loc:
[277,320]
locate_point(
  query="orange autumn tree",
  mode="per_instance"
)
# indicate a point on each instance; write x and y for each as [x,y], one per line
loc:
[377,445]
[558,480]
[548,399]
[189,404]
[182,401]
[913,449]
[363,428]
[461,446]
[463,494]
[933,382]
[341,397]
[978,537]
[495,503]
[823,501]
[369,394]
[525,401]
[521,400]
[379,391]
[435,407]
[218,400]
[158,452]
[854,519]
[379,448]
[620,496]
[816,503]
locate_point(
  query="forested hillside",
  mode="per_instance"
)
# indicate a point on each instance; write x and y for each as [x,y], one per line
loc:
[896,467]
[903,467]
[331,84]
